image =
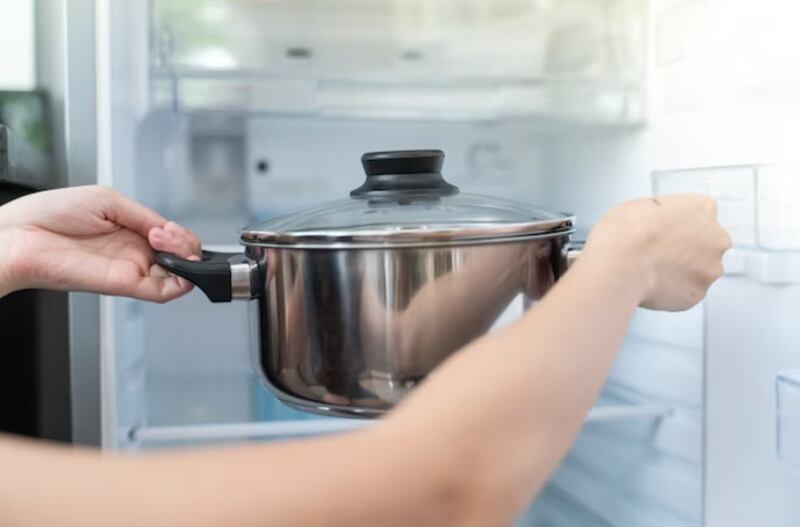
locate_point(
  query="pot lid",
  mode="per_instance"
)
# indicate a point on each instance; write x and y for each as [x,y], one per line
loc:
[405,201]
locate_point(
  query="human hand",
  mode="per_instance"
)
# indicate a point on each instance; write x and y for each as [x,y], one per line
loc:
[676,242]
[90,239]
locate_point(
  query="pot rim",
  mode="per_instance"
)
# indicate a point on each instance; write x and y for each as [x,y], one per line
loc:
[434,238]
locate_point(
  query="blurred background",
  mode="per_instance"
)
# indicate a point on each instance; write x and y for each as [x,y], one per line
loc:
[222,113]
[19,67]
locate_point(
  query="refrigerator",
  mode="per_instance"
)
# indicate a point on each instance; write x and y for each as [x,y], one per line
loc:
[222,113]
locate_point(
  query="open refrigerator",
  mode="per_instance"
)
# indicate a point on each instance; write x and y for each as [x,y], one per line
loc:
[220,113]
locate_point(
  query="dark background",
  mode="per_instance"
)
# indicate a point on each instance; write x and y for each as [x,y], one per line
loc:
[34,325]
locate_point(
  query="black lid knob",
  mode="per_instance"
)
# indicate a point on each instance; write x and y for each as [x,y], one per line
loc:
[404,173]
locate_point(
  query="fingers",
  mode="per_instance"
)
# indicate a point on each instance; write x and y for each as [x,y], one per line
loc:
[169,236]
[119,277]
[175,239]
[158,286]
[130,214]
[181,231]
[178,240]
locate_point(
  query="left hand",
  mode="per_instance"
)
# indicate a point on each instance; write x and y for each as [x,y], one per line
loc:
[90,239]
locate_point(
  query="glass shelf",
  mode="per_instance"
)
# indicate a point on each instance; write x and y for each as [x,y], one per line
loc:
[568,61]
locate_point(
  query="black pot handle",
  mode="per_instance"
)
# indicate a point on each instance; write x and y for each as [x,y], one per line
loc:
[214,274]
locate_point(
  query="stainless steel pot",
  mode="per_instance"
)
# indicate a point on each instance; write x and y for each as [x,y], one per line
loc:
[357,301]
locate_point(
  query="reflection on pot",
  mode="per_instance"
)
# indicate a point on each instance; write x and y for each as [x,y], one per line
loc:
[362,328]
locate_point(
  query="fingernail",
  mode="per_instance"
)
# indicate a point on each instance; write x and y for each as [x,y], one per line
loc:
[173,228]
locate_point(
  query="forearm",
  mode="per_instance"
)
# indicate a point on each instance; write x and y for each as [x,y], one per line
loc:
[510,404]
[355,479]
[470,447]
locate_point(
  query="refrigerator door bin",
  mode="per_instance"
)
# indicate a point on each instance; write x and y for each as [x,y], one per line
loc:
[759,204]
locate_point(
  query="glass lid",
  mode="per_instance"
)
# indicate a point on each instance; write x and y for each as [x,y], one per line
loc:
[406,202]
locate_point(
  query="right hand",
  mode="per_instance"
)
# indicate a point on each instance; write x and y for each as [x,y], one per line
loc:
[677,241]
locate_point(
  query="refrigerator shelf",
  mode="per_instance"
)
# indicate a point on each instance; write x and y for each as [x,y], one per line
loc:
[556,101]
[574,61]
[166,435]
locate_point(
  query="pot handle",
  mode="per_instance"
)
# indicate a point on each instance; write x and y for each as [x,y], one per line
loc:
[221,276]
[569,254]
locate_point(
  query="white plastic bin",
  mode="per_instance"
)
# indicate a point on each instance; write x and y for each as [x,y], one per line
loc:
[759,204]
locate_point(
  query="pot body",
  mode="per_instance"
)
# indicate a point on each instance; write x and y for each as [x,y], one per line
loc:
[351,331]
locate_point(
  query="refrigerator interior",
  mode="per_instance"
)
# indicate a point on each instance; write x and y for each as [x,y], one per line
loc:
[221,113]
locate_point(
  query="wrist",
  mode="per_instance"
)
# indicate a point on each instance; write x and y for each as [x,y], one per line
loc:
[9,281]
[625,250]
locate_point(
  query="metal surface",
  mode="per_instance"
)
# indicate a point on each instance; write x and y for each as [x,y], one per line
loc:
[242,277]
[66,34]
[351,332]
[432,237]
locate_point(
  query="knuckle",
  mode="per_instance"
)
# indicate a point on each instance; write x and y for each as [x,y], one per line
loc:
[727,241]
[709,204]
[712,274]
[104,192]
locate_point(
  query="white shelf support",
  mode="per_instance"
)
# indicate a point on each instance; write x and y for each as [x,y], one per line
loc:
[243,431]
[606,414]
[164,435]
